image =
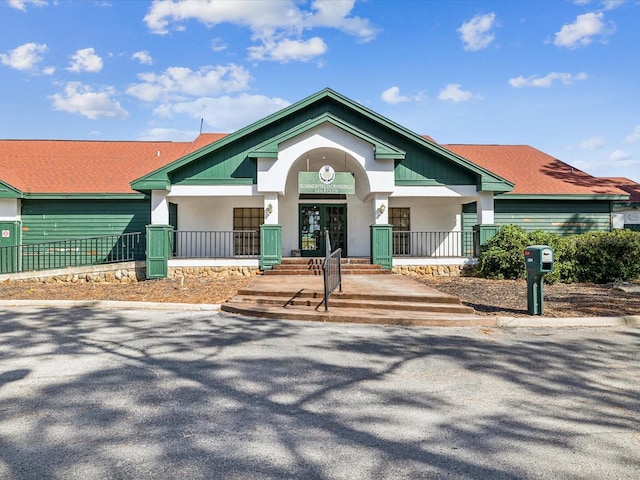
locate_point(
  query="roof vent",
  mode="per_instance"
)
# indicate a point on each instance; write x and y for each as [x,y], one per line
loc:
[158,153]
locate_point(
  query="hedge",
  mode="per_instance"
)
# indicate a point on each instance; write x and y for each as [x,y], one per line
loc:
[596,257]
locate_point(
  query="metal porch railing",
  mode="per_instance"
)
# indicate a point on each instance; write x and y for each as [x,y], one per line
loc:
[433,244]
[216,244]
[75,252]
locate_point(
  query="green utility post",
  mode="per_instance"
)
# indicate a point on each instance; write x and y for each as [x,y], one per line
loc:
[539,261]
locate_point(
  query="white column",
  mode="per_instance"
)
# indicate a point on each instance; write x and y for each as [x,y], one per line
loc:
[381,208]
[9,209]
[271,208]
[159,207]
[486,210]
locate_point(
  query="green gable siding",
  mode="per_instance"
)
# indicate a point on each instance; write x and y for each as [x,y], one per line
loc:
[231,163]
[564,217]
[226,165]
[51,220]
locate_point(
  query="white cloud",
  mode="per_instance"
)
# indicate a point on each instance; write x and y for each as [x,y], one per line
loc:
[476,33]
[83,100]
[218,44]
[619,156]
[143,57]
[611,4]
[581,32]
[392,96]
[278,25]
[592,143]
[288,50]
[547,80]
[176,82]
[454,93]
[635,136]
[24,57]
[85,60]
[22,4]
[225,113]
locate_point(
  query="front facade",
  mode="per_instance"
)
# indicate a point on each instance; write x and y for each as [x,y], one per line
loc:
[325,165]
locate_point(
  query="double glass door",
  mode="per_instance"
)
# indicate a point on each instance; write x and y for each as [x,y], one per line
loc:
[314,220]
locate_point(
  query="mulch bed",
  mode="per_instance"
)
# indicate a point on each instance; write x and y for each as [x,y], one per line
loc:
[487,297]
[509,297]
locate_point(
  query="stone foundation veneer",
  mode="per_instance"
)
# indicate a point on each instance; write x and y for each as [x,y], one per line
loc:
[214,272]
[135,271]
[432,270]
[130,272]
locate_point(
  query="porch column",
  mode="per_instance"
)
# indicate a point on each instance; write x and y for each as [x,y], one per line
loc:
[270,233]
[159,236]
[381,233]
[271,208]
[486,208]
[486,229]
[159,207]
[381,209]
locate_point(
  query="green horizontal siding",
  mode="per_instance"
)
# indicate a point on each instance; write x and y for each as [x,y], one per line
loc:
[564,217]
[51,220]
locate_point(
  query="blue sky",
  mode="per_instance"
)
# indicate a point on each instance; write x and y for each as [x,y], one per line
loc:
[562,76]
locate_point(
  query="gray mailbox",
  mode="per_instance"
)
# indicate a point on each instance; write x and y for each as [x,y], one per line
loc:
[538,260]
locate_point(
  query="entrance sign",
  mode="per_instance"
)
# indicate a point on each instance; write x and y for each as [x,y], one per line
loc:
[327,181]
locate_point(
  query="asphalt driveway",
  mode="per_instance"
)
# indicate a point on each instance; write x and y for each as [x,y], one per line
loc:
[104,394]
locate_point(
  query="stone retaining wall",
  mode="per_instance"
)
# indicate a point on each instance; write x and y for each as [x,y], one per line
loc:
[215,272]
[131,272]
[433,270]
[126,272]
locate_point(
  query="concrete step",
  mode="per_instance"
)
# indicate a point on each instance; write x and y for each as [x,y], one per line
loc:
[359,315]
[337,301]
[320,260]
[313,266]
[318,271]
[389,298]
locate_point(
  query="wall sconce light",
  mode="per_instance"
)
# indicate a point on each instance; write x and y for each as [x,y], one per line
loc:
[269,209]
[382,208]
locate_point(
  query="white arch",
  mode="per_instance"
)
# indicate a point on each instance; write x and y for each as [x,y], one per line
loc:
[327,139]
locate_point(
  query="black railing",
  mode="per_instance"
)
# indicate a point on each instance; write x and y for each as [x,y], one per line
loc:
[216,244]
[332,271]
[433,244]
[74,252]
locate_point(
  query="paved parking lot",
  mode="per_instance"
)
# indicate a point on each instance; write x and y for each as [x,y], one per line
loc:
[149,394]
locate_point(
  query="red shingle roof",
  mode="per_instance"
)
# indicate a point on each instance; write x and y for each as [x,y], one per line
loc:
[67,167]
[61,166]
[626,184]
[534,172]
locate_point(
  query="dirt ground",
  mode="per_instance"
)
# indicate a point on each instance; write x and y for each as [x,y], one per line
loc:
[487,297]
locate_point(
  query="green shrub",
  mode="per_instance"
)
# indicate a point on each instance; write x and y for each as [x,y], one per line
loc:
[597,257]
[502,256]
[604,257]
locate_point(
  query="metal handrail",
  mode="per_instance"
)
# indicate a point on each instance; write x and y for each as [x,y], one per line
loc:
[332,271]
[73,252]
